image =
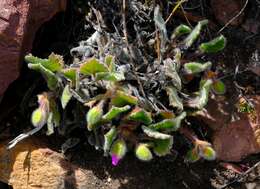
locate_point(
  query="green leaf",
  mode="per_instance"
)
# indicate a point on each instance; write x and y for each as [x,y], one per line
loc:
[115,111]
[110,62]
[66,96]
[162,147]
[155,134]
[218,87]
[114,76]
[207,153]
[169,124]
[92,66]
[118,148]
[214,45]
[140,115]
[174,99]
[38,117]
[192,155]
[143,153]
[202,99]
[50,77]
[109,137]
[94,115]
[191,38]
[194,67]
[180,30]
[70,74]
[50,125]
[171,71]
[121,99]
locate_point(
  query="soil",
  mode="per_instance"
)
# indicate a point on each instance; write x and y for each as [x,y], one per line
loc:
[62,33]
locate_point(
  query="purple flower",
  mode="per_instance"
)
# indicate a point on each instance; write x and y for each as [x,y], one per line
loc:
[115,159]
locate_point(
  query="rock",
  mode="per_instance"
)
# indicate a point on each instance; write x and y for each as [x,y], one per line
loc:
[32,165]
[233,140]
[225,10]
[19,21]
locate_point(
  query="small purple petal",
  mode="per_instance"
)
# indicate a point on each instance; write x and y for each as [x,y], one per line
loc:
[115,159]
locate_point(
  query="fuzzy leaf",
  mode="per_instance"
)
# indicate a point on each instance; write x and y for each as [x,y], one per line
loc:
[121,99]
[191,38]
[109,61]
[159,21]
[155,134]
[162,147]
[207,153]
[50,77]
[218,87]
[169,124]
[94,115]
[114,76]
[192,155]
[180,30]
[115,111]
[194,67]
[214,45]
[171,71]
[66,96]
[200,101]
[70,74]
[118,151]
[143,153]
[140,115]
[92,66]
[38,117]
[109,138]
[50,125]
[174,99]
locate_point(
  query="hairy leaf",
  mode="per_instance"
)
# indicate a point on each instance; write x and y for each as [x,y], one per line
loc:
[192,155]
[121,98]
[214,45]
[66,96]
[218,87]
[92,66]
[207,152]
[171,71]
[194,67]
[115,111]
[180,30]
[162,147]
[94,115]
[109,61]
[108,76]
[70,74]
[191,38]
[140,115]
[118,151]
[109,138]
[143,153]
[174,99]
[155,134]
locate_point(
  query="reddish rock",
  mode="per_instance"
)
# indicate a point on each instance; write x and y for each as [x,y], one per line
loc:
[32,165]
[225,10]
[19,21]
[233,140]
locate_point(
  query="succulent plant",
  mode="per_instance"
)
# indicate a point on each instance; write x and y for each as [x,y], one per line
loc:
[121,107]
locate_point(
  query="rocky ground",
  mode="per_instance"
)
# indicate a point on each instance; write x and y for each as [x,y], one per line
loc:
[39,163]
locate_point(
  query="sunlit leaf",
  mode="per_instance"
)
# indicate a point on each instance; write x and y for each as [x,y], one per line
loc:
[110,76]
[195,67]
[155,134]
[109,138]
[191,38]
[207,152]
[38,117]
[70,74]
[174,99]
[214,45]
[94,115]
[121,98]
[180,30]
[140,115]
[66,96]
[202,99]
[50,125]
[218,87]
[92,66]
[118,151]
[143,153]
[162,147]
[109,61]
[115,111]
[169,124]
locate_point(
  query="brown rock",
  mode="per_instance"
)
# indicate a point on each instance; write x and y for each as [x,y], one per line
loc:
[32,165]
[19,21]
[233,140]
[225,10]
